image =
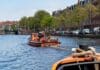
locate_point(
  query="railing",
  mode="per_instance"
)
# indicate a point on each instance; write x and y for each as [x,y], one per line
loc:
[81,66]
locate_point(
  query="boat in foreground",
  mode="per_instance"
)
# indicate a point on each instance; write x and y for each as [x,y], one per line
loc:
[78,63]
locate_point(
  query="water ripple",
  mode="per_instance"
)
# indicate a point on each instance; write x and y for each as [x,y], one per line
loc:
[15,54]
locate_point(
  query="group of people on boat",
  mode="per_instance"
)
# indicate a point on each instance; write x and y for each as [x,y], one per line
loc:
[43,40]
[38,37]
[83,50]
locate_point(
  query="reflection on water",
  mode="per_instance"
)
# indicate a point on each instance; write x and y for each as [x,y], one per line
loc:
[15,54]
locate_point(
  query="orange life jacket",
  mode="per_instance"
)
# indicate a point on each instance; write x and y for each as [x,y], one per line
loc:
[43,40]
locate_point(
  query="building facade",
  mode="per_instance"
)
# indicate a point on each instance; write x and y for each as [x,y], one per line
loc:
[94,20]
[6,25]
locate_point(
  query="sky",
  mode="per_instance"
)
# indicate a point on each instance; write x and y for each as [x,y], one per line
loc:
[15,9]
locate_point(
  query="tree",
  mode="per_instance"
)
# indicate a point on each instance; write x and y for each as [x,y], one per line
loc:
[14,27]
[30,23]
[40,16]
[55,23]
[46,23]
[91,9]
[23,22]
[79,14]
[42,19]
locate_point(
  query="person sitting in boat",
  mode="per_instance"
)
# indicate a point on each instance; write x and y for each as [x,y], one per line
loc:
[34,37]
[49,38]
[41,35]
[83,50]
[43,40]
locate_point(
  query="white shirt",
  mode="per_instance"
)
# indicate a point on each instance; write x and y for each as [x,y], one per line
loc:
[91,48]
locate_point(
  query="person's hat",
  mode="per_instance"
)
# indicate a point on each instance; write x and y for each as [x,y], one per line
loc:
[83,47]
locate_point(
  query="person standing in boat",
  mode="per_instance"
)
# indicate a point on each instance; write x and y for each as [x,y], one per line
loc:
[41,36]
[34,37]
[83,50]
[48,38]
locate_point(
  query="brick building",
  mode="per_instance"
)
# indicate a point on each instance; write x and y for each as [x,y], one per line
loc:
[7,25]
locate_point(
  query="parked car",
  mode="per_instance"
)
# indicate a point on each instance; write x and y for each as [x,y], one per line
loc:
[86,31]
[76,32]
[96,30]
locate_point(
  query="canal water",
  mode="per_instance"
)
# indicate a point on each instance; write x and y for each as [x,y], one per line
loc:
[15,54]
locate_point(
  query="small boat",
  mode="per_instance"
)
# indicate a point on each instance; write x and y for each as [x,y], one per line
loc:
[33,43]
[77,63]
[38,40]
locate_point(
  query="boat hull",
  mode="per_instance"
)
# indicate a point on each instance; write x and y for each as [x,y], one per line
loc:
[35,44]
[44,44]
[73,61]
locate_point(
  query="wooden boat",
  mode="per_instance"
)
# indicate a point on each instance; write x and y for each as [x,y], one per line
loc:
[77,63]
[36,42]
[33,43]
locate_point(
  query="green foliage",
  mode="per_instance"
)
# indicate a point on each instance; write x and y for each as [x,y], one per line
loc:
[79,14]
[13,27]
[91,9]
[42,20]
[75,17]
[23,22]
[46,22]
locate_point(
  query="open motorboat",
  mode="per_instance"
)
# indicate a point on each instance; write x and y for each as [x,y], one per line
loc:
[38,40]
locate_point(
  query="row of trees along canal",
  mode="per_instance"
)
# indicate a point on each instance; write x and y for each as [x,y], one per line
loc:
[42,20]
